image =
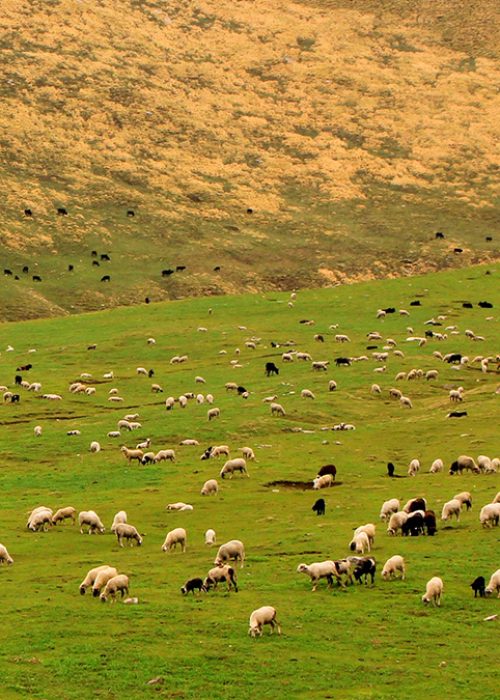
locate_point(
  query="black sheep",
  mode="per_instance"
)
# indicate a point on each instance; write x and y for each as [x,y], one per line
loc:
[328,469]
[430,522]
[194,584]
[414,526]
[365,567]
[319,507]
[478,586]
[390,469]
[271,369]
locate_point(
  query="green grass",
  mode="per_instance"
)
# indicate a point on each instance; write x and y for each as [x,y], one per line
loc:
[361,643]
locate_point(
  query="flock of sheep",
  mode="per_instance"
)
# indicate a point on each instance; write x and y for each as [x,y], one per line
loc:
[415,518]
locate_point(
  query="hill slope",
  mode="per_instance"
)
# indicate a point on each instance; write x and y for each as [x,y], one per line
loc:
[352,130]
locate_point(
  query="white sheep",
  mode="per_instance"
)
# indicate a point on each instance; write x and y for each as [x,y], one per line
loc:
[318,570]
[248,453]
[209,398]
[219,450]
[210,537]
[5,557]
[456,395]
[490,515]
[413,467]
[95,446]
[163,455]
[142,370]
[91,519]
[234,465]
[395,563]
[493,584]
[433,591]
[368,529]
[451,508]
[124,424]
[360,543]
[127,532]
[189,441]
[405,401]
[234,549]
[389,507]
[221,573]
[436,466]
[323,482]
[320,365]
[103,576]
[169,403]
[213,413]
[120,518]
[91,576]
[63,514]
[115,399]
[37,430]
[108,375]
[117,584]
[332,385]
[182,401]
[431,374]
[180,505]
[277,409]
[39,518]
[156,389]
[151,341]
[260,617]
[175,537]
[114,434]
[144,444]
[465,499]
[375,389]
[210,487]
[131,454]
[396,522]
[200,399]
[484,463]
[307,394]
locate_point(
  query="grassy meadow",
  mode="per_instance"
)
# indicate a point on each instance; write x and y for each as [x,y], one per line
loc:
[364,642]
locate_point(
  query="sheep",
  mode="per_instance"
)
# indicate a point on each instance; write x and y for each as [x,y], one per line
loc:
[210,537]
[94,446]
[305,356]
[307,394]
[399,376]
[248,453]
[148,458]
[219,450]
[64,514]
[395,563]
[234,549]
[493,584]
[209,398]
[90,518]
[414,524]
[375,389]
[115,399]
[50,397]
[413,467]
[318,570]
[395,393]
[436,466]
[199,380]
[345,568]
[124,424]
[332,385]
[182,401]
[156,389]
[340,338]
[131,454]
[103,576]
[91,576]
[479,586]
[234,465]
[415,504]
[405,401]
[431,374]
[200,399]
[120,518]
[450,509]
[113,586]
[128,532]
[456,395]
[328,469]
[175,537]
[73,432]
[277,409]
[287,357]
[389,507]
[497,498]
[463,462]
[368,529]
[465,499]
[360,543]
[35,386]
[490,515]
[113,434]
[433,591]
[143,445]
[39,518]
[365,566]
[169,403]
[396,522]
[179,506]
[5,557]
[163,455]
[189,441]
[192,585]
[213,413]
[484,463]
[320,365]
[260,617]
[90,390]
[323,482]
[142,370]
[210,487]
[231,386]
[221,573]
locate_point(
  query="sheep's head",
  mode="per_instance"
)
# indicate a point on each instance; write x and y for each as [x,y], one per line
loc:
[425,600]
[302,569]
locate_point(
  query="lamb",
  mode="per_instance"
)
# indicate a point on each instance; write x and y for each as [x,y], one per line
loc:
[213,413]
[260,617]
[221,573]
[450,509]
[369,530]
[127,532]
[175,537]
[396,522]
[210,537]
[234,549]
[37,430]
[433,591]
[479,586]
[192,585]
[493,584]
[395,563]
[234,465]
[131,454]
[5,557]
[39,517]
[103,576]
[117,584]
[120,517]
[91,576]
[436,466]
[413,467]
[210,487]
[178,506]
[90,518]
[277,409]
[389,507]
[95,446]
[490,515]
[64,514]
[307,394]
[247,452]
[318,570]
[465,499]
[360,543]
[323,482]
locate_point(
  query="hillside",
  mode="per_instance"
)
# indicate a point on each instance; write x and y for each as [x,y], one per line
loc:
[302,144]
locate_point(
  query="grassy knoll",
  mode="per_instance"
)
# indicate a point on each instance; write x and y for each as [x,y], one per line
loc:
[362,643]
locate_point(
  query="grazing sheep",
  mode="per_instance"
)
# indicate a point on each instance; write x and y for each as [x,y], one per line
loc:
[213,413]
[189,441]
[456,395]
[375,389]
[248,453]
[415,504]
[465,499]
[484,463]
[431,374]
[413,467]
[389,507]
[479,586]
[395,393]
[192,585]
[327,469]
[64,514]
[164,455]
[210,537]
[5,557]
[369,530]
[234,465]
[209,398]
[318,570]
[433,591]
[91,576]
[219,450]
[39,518]
[127,532]
[405,401]
[95,446]
[450,509]
[210,487]
[221,573]
[148,458]
[490,515]
[169,403]
[260,617]
[320,365]
[307,394]
[332,385]
[430,522]
[234,549]
[395,563]
[231,386]
[179,506]
[73,432]
[156,389]
[37,430]
[131,454]
[277,409]
[323,482]
[103,576]
[120,518]
[173,538]
[365,566]
[117,584]
[142,370]
[91,519]
[414,524]
[360,543]
[319,506]
[464,462]
[396,522]
[494,584]
[436,466]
